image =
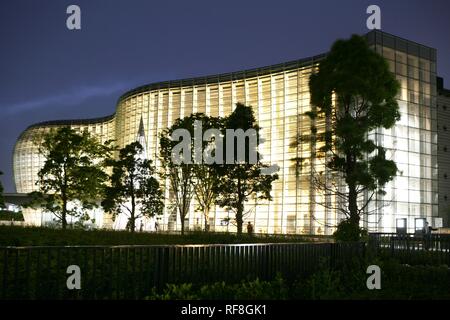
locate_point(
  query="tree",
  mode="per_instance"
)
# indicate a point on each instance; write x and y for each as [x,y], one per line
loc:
[2,200]
[244,179]
[72,178]
[353,93]
[133,188]
[178,166]
[206,174]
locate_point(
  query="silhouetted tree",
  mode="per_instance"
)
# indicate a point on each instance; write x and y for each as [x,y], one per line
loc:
[206,174]
[352,94]
[178,166]
[133,189]
[244,179]
[72,178]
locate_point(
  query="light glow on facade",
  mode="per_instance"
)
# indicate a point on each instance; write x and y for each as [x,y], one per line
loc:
[279,95]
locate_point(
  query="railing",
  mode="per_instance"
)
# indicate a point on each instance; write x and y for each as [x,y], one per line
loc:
[117,272]
[258,235]
[413,248]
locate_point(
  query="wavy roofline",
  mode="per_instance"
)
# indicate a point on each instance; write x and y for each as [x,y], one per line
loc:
[372,37]
[228,76]
[72,122]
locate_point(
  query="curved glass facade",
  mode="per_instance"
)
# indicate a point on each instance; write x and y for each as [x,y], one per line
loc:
[279,95]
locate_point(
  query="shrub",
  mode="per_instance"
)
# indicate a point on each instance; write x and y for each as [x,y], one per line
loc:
[6,215]
[263,290]
[218,291]
[347,231]
[35,236]
[182,291]
[245,290]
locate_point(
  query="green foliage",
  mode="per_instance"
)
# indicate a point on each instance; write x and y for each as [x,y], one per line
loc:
[276,289]
[133,188]
[180,174]
[228,185]
[11,216]
[35,236]
[353,93]
[72,178]
[400,281]
[348,231]
[81,225]
[397,282]
[241,181]
[175,292]
[256,289]
[344,279]
[217,291]
[324,284]
[206,175]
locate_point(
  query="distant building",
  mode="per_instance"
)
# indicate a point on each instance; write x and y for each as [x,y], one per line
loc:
[279,95]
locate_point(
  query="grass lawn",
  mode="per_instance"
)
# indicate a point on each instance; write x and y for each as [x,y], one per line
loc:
[37,236]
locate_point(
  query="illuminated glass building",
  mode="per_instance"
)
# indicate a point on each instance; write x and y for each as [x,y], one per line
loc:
[443,127]
[279,95]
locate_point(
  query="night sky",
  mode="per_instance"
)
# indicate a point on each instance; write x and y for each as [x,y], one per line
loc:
[48,72]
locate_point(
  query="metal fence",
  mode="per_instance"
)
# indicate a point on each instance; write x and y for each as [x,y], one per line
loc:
[131,272]
[412,248]
[267,237]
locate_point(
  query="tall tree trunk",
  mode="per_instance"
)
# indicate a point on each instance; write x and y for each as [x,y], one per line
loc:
[132,223]
[240,209]
[352,194]
[239,218]
[64,211]
[182,223]
[133,210]
[183,213]
[64,215]
[64,199]
[353,204]
[206,215]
